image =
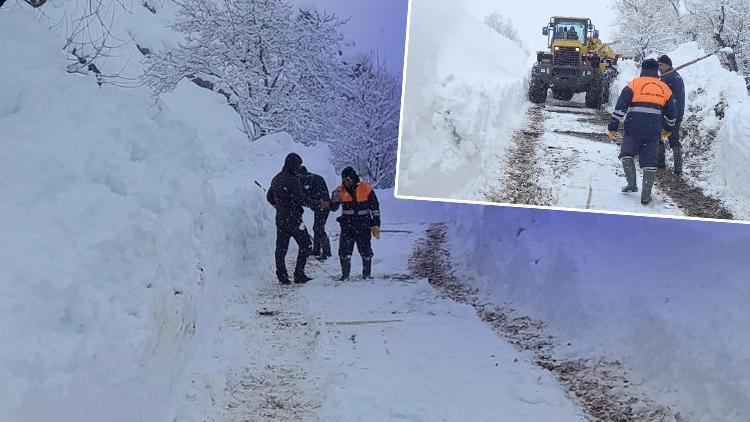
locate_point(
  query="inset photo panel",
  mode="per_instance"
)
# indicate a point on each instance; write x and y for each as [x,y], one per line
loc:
[600,106]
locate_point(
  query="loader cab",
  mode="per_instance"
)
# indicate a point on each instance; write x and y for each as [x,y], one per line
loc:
[569,29]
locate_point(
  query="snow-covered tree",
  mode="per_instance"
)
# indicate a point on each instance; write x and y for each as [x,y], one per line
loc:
[32,3]
[88,27]
[647,27]
[719,24]
[366,135]
[505,28]
[278,67]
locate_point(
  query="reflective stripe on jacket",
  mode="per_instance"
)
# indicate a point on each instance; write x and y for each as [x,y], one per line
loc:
[646,107]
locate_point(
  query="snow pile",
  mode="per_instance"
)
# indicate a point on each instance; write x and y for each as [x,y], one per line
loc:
[463,89]
[644,291]
[121,217]
[715,108]
[733,156]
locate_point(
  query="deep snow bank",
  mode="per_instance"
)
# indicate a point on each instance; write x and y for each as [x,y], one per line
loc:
[463,90]
[668,297]
[733,156]
[716,106]
[121,219]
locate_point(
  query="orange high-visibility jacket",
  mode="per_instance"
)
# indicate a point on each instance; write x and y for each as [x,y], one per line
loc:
[361,207]
[646,106]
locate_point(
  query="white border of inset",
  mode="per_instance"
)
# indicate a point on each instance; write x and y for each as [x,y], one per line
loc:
[499,204]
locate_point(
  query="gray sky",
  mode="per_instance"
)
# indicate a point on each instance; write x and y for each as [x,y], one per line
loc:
[375,26]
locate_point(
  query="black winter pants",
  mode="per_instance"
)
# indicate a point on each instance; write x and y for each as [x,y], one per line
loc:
[283,235]
[355,234]
[320,239]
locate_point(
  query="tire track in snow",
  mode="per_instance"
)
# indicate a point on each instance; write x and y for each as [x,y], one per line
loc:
[521,184]
[601,387]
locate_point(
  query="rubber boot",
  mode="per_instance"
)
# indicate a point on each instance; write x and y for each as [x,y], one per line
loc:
[661,155]
[346,267]
[326,246]
[648,182]
[677,152]
[366,267]
[628,165]
[301,279]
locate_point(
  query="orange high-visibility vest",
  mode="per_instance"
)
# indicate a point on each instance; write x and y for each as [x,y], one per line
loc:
[362,193]
[650,90]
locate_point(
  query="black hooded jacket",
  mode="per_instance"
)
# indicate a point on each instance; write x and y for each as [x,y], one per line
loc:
[315,187]
[287,196]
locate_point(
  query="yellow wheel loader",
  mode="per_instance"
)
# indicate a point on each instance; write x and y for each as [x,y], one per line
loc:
[577,61]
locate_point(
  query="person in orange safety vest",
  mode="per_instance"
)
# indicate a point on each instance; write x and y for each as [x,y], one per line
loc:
[648,111]
[359,220]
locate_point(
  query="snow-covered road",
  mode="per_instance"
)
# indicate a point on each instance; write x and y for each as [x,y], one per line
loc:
[391,348]
[561,157]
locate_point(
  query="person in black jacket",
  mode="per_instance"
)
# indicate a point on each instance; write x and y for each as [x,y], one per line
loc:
[677,85]
[360,220]
[647,110]
[287,196]
[316,189]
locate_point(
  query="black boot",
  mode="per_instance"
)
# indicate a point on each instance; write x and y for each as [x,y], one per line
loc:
[316,246]
[366,267]
[346,267]
[649,175]
[677,152]
[301,278]
[628,165]
[326,245]
[661,155]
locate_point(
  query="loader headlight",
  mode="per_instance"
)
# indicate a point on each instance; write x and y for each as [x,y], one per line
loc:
[557,48]
[578,49]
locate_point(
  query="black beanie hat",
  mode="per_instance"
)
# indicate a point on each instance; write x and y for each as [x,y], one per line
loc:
[349,173]
[650,68]
[650,64]
[666,60]
[292,163]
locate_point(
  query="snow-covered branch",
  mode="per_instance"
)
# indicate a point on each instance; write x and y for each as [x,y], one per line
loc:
[279,68]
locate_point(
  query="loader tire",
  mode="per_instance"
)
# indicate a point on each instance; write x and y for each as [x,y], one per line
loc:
[537,87]
[595,93]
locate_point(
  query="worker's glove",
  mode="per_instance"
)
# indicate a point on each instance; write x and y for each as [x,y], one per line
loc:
[336,197]
[375,232]
[665,134]
[325,205]
[612,135]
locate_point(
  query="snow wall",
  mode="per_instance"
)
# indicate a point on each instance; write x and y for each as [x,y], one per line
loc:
[670,298]
[464,87]
[122,219]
